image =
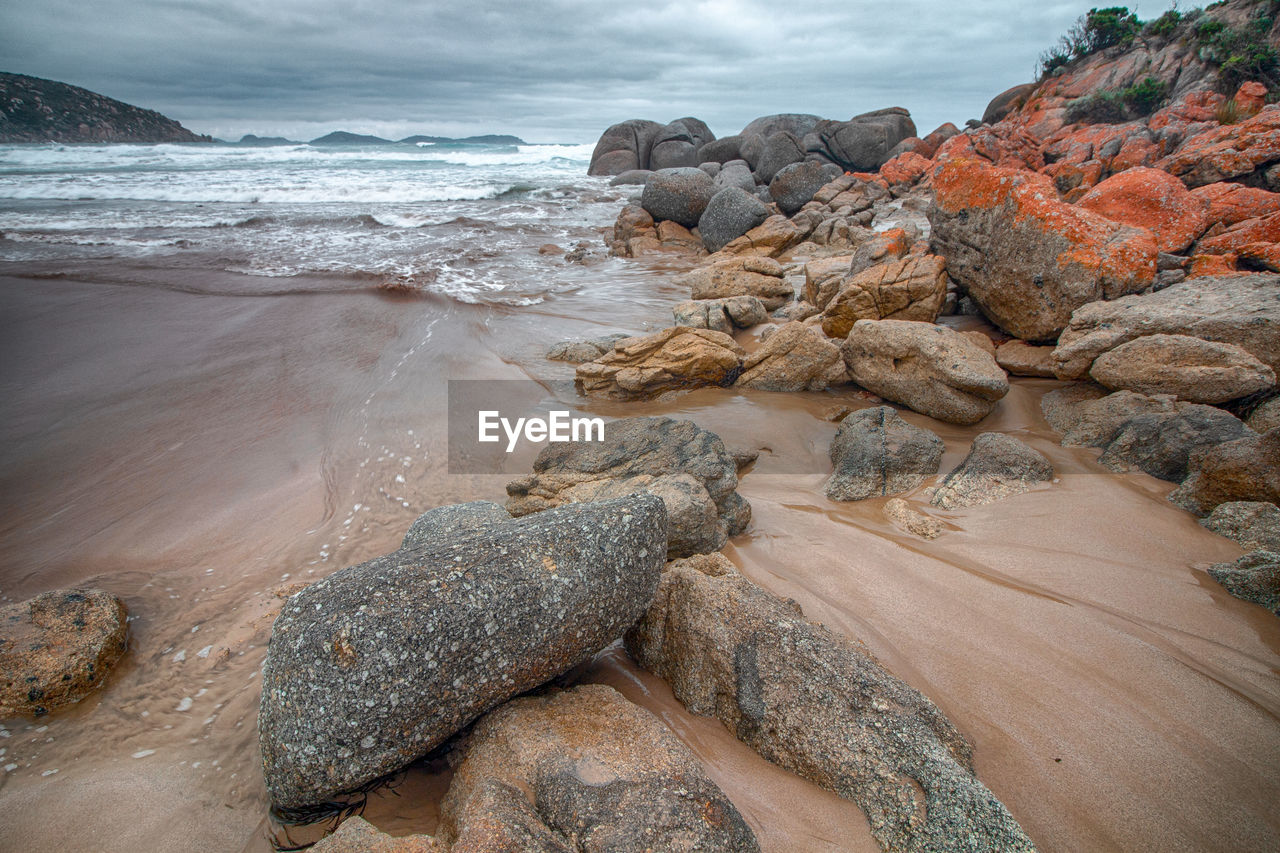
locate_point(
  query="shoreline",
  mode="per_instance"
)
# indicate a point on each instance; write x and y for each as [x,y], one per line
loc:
[986,568]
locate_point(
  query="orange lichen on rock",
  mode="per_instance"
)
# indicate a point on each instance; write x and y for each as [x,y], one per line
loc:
[1227,151]
[906,168]
[1151,199]
[1262,229]
[1232,203]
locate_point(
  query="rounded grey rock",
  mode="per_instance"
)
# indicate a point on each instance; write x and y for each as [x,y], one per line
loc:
[679,195]
[731,213]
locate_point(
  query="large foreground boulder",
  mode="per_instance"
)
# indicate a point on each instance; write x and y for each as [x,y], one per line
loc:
[623,147]
[595,772]
[675,359]
[685,465]
[997,466]
[679,195]
[1236,309]
[377,664]
[1026,258]
[932,369]
[57,648]
[821,706]
[876,453]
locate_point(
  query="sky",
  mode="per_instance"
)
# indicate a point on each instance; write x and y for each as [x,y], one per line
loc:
[545,70]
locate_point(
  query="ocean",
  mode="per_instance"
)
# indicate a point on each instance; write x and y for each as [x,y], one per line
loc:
[444,218]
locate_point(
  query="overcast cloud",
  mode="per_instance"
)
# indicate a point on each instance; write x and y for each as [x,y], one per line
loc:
[551,71]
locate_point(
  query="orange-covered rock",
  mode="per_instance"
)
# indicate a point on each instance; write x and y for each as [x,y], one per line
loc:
[1263,229]
[1206,265]
[1265,256]
[906,168]
[1228,151]
[1232,203]
[1251,97]
[1025,257]
[1152,199]
[1196,107]
[1001,145]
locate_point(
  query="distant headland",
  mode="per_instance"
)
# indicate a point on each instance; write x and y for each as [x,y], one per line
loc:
[37,110]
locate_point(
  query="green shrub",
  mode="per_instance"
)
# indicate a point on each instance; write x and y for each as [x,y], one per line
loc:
[1242,54]
[1109,27]
[1140,99]
[1165,25]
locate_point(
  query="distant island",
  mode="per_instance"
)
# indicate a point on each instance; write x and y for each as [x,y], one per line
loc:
[342,137]
[36,110]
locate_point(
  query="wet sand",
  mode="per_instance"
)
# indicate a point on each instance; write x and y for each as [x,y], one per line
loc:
[197,448]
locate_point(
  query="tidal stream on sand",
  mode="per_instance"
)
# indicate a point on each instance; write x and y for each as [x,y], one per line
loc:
[199,441]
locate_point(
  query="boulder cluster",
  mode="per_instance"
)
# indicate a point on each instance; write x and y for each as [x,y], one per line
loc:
[464,642]
[1139,260]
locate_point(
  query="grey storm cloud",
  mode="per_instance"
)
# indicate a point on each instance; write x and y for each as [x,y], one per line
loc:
[559,70]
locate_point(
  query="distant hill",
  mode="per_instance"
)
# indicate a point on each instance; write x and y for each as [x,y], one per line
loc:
[487,139]
[36,110]
[264,141]
[341,137]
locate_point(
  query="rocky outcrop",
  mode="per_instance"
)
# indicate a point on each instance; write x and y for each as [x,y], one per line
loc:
[745,276]
[875,453]
[1188,368]
[1228,152]
[796,357]
[596,773]
[731,213]
[862,143]
[721,315]
[997,466]
[683,464]
[576,352]
[1253,525]
[912,288]
[1156,434]
[678,143]
[1254,577]
[1026,258]
[623,147]
[674,359]
[1246,469]
[678,195]
[373,666]
[36,110]
[1234,309]
[57,648]
[931,369]
[821,706]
